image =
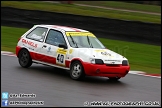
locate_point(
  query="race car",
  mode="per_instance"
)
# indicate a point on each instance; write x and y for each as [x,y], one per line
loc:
[76,50]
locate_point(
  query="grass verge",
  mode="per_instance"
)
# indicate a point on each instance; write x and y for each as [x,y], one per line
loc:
[141,57]
[123,5]
[82,10]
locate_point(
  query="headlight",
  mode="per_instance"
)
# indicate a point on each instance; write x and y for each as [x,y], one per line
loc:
[99,61]
[125,63]
[96,61]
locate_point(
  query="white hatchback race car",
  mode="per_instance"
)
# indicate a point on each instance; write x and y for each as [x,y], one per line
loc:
[73,49]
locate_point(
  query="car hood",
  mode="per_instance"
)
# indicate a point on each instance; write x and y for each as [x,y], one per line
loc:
[108,56]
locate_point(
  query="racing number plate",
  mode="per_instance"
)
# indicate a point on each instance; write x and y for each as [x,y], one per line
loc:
[60,57]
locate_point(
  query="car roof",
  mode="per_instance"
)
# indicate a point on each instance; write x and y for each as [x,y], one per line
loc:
[64,28]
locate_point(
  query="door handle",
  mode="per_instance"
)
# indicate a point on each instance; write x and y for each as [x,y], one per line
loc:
[44,46]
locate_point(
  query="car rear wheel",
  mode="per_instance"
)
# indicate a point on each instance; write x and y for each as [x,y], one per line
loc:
[114,78]
[76,71]
[25,59]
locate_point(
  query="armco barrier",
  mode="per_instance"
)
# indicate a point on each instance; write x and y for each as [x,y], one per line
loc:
[101,27]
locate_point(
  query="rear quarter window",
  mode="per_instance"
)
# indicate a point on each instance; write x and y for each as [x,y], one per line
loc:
[37,34]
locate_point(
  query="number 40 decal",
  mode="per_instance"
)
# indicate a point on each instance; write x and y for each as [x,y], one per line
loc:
[60,58]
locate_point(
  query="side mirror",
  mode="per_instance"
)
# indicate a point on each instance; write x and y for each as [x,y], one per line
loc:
[62,46]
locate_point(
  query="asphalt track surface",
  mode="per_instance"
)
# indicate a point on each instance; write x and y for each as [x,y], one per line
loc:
[57,89]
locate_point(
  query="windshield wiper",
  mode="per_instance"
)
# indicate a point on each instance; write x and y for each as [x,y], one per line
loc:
[73,41]
[89,42]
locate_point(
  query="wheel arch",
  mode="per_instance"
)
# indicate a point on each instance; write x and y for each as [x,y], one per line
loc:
[76,59]
[23,48]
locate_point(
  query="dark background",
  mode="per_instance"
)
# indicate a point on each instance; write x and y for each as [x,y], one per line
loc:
[102,27]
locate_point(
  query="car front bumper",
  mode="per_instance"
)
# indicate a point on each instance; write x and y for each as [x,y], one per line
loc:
[105,71]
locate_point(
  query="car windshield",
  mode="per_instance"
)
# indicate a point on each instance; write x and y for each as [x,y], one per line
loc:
[83,40]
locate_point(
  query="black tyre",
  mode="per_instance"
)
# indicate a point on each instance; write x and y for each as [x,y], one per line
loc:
[114,78]
[77,71]
[24,58]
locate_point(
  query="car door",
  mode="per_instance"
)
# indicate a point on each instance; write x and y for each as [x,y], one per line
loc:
[52,53]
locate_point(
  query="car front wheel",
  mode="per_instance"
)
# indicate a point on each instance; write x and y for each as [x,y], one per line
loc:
[76,71]
[24,58]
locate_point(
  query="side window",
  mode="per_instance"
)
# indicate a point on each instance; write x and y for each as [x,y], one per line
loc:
[55,38]
[37,34]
